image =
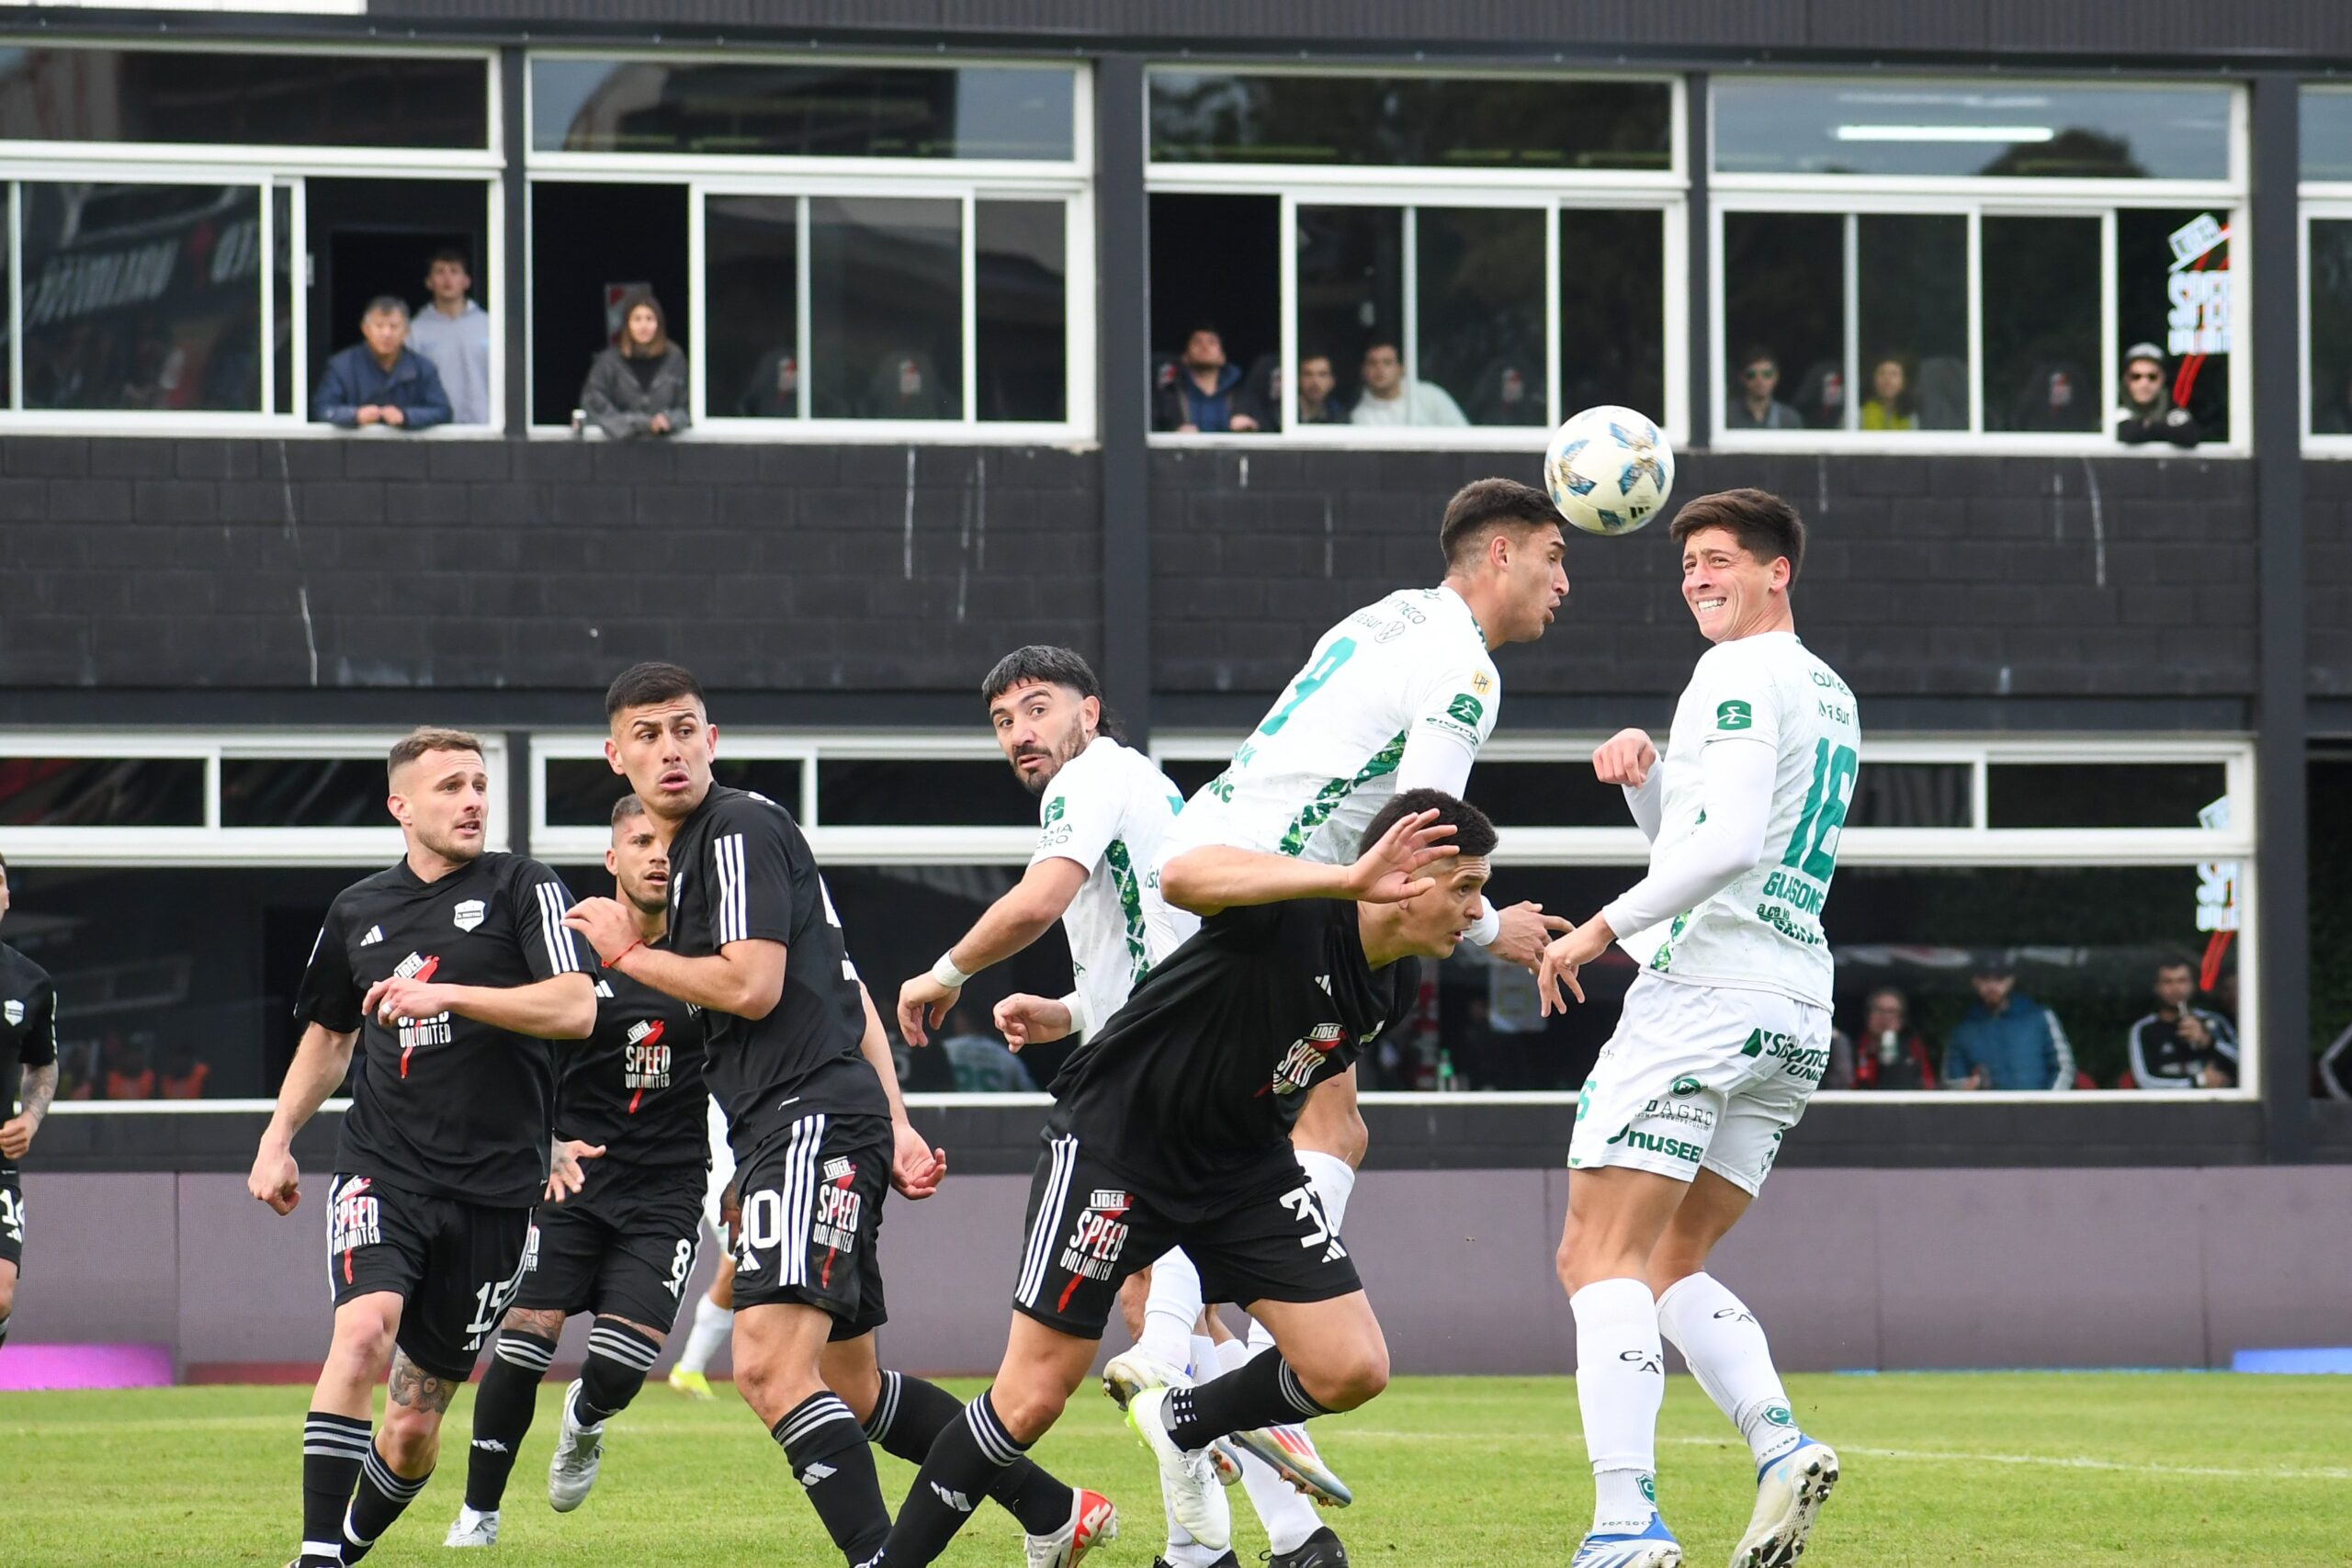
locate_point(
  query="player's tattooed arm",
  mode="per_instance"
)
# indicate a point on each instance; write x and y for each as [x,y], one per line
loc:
[415,1387]
[39,1088]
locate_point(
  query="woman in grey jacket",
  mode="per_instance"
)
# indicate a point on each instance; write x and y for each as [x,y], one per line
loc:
[638,386]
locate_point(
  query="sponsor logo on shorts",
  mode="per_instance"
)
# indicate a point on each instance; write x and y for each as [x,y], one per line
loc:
[1685,1085]
[1305,1058]
[1651,1142]
[355,1221]
[1684,1112]
[1091,1250]
[839,1169]
[1798,1061]
[839,1210]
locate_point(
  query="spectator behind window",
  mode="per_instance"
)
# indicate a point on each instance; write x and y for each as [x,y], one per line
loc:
[1889,1055]
[2179,1046]
[129,1074]
[1756,407]
[1889,405]
[982,1064]
[454,334]
[1205,393]
[2007,1041]
[1391,397]
[2148,414]
[638,386]
[1319,400]
[380,381]
[184,1075]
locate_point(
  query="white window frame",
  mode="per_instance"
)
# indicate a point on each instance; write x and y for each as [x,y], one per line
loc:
[969,180]
[1407,188]
[1977,198]
[2320,204]
[213,844]
[267,167]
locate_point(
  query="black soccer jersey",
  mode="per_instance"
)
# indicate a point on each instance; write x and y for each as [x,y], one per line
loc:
[636,1085]
[1191,1089]
[445,1106]
[28,1030]
[740,871]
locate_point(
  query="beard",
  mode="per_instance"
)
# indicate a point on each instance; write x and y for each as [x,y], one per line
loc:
[1059,753]
[450,847]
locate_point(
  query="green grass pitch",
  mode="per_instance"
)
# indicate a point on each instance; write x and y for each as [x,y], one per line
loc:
[2016,1471]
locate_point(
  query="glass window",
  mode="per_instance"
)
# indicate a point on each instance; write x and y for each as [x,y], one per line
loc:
[2331,326]
[2326,126]
[1021,297]
[141,297]
[1216,261]
[282,399]
[751,274]
[302,792]
[2042,324]
[1784,290]
[947,792]
[1914,795]
[1911,283]
[1351,290]
[1479,278]
[1561,794]
[1612,308]
[579,792]
[380,100]
[1465,123]
[2173,288]
[806,110]
[102,792]
[1919,129]
[2100,795]
[886,284]
[590,244]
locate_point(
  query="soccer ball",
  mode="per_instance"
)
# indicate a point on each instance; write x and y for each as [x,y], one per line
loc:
[1609,469]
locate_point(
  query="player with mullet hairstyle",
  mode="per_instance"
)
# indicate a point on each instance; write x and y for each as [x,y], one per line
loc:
[28,1073]
[1723,1040]
[797,1056]
[1398,697]
[624,1246]
[1171,1128]
[450,972]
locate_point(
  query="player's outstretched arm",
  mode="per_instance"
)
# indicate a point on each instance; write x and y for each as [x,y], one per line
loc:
[1217,877]
[916,1168]
[562,1007]
[319,1062]
[1028,912]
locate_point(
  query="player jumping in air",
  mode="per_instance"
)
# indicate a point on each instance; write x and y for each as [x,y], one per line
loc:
[451,971]
[1171,1128]
[624,1246]
[796,1055]
[28,1075]
[1723,1039]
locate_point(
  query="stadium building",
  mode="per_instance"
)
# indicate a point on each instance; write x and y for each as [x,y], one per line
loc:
[936,276]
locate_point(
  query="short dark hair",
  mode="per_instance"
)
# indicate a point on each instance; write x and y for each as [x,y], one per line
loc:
[448,254]
[652,682]
[1473,834]
[626,806]
[1203,326]
[1757,351]
[386,304]
[1765,527]
[2163,965]
[1993,964]
[1383,340]
[429,737]
[1041,661]
[1486,503]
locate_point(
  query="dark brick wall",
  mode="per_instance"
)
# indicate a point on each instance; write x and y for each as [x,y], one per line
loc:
[2327,544]
[1942,577]
[507,564]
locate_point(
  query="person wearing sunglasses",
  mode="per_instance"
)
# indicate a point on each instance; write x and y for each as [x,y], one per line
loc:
[1756,407]
[2148,413]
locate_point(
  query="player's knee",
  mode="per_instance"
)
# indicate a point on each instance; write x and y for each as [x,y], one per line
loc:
[362,1346]
[1028,1407]
[1351,1378]
[8,1296]
[411,1437]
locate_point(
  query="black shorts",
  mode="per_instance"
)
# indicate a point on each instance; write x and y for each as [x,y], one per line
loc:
[455,1264]
[813,1219]
[623,1245]
[12,1221]
[1088,1229]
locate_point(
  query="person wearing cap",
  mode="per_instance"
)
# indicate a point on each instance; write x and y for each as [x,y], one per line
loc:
[2148,413]
[2007,1041]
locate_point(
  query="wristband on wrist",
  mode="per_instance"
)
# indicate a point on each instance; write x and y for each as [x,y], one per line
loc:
[624,952]
[947,975]
[1079,1021]
[1486,927]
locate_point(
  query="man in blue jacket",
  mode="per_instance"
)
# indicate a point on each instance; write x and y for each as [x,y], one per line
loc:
[378,381]
[2007,1041]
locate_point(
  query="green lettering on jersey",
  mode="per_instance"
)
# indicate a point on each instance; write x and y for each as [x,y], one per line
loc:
[1735,715]
[1466,709]
[1332,795]
[1339,653]
[1813,843]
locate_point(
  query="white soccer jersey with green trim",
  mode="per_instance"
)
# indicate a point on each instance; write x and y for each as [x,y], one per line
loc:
[1109,808]
[1763,931]
[1404,684]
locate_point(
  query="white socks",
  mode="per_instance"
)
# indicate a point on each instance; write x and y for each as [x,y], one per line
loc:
[1170,1311]
[1727,1352]
[1333,1179]
[713,1323]
[1621,1381]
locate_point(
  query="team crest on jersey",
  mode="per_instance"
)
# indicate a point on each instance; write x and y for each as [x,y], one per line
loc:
[14,1010]
[1466,709]
[1482,682]
[469,913]
[1300,1063]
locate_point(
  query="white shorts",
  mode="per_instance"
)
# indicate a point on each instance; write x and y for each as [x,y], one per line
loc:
[722,1171]
[1700,1076]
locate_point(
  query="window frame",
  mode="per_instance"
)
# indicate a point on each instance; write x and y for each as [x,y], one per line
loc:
[266,168]
[1977,197]
[1406,187]
[2319,202]
[970,181]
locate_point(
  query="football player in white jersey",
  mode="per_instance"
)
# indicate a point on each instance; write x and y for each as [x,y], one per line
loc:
[1723,1040]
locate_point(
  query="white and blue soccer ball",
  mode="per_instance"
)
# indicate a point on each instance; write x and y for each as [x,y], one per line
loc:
[1609,469]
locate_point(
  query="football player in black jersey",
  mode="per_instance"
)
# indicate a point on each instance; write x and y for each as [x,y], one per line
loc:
[623,1248]
[797,1056]
[451,971]
[1171,1128]
[28,1073]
